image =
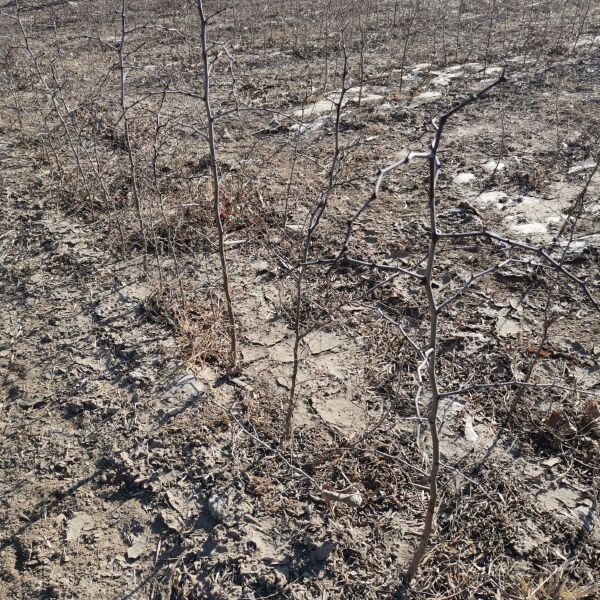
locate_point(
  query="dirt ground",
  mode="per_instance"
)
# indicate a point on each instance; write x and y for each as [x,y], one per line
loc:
[134,466]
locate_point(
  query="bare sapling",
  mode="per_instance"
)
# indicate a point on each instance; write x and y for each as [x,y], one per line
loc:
[582,23]
[410,20]
[459,16]
[434,314]
[492,19]
[313,222]
[436,306]
[159,125]
[53,98]
[207,65]
[326,44]
[361,60]
[127,131]
[567,230]
[295,151]
[93,160]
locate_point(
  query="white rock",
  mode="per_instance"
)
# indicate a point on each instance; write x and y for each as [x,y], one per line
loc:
[584,166]
[492,70]
[531,228]
[530,200]
[424,98]
[369,98]
[489,197]
[592,240]
[463,178]
[317,108]
[429,95]
[303,128]
[506,327]
[494,165]
[470,433]
[574,250]
[586,40]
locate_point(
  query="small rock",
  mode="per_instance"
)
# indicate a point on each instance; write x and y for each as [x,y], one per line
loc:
[493,165]
[489,197]
[530,228]
[584,166]
[322,341]
[138,547]
[424,98]
[171,519]
[79,523]
[574,251]
[524,544]
[559,499]
[470,433]
[261,266]
[321,553]
[188,387]
[463,178]
[506,326]
[591,240]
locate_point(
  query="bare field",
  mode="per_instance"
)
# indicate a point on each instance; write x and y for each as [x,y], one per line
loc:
[241,357]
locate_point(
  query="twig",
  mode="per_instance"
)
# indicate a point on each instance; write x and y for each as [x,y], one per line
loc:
[492,235]
[489,386]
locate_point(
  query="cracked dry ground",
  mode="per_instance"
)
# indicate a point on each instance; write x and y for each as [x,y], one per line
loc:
[118,466]
[121,475]
[77,366]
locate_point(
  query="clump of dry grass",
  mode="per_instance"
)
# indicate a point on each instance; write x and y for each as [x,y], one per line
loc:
[199,326]
[555,588]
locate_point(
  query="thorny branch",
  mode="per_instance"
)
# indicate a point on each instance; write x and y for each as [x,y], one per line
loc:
[492,235]
[430,354]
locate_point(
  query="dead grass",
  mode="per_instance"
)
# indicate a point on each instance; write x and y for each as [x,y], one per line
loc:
[198,327]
